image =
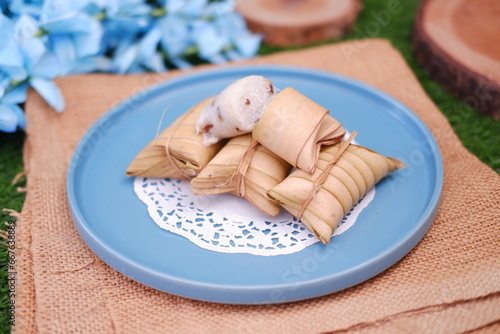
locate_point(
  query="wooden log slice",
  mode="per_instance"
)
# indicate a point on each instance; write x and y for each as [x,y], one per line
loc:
[458,44]
[299,22]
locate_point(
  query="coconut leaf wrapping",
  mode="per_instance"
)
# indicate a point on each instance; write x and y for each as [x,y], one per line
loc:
[321,200]
[294,127]
[186,155]
[244,168]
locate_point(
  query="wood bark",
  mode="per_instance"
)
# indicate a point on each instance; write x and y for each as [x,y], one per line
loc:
[299,22]
[458,44]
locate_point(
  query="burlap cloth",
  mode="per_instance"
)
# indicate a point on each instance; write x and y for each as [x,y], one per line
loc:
[449,283]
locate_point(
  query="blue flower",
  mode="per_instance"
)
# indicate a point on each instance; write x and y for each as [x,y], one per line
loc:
[175,35]
[209,39]
[40,64]
[24,61]
[11,70]
[11,58]
[25,7]
[4,83]
[11,115]
[191,9]
[135,56]
[125,23]
[44,39]
[69,32]
[121,19]
[244,43]
[126,15]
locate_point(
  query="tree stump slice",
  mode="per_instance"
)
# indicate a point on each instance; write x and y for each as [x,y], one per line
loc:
[458,44]
[299,22]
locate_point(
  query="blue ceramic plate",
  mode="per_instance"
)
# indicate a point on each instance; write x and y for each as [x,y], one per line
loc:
[116,226]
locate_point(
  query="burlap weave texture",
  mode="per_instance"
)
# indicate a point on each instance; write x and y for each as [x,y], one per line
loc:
[449,283]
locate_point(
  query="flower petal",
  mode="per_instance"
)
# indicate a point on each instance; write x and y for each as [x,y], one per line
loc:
[209,40]
[124,43]
[33,49]
[8,119]
[22,7]
[21,119]
[4,83]
[233,55]
[174,6]
[126,16]
[7,29]
[92,64]
[16,95]
[194,8]
[175,36]
[219,8]
[72,22]
[248,44]
[181,63]
[155,63]
[11,62]
[64,49]
[89,43]
[10,55]
[130,8]
[50,92]
[123,62]
[95,8]
[236,22]
[25,30]
[52,9]
[135,68]
[217,59]
[149,43]
[47,67]
[233,25]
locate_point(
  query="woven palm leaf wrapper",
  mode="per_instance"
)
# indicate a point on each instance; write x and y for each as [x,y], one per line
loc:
[344,174]
[294,127]
[185,157]
[244,168]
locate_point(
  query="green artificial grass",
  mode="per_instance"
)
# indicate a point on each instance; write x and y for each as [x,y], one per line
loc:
[10,165]
[478,133]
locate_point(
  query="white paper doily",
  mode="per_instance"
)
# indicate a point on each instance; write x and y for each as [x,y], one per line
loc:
[226,223]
